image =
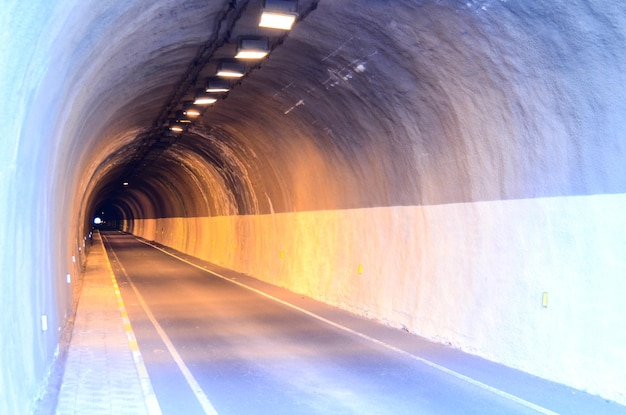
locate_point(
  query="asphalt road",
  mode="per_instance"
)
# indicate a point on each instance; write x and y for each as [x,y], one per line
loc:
[213,346]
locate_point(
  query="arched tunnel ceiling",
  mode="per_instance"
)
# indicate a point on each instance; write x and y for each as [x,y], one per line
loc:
[363,105]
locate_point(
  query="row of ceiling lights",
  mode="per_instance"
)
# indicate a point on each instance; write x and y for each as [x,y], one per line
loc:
[182,110]
[276,14]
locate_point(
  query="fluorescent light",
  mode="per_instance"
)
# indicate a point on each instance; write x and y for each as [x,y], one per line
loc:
[231,70]
[204,101]
[279,14]
[252,48]
[181,117]
[189,110]
[192,113]
[175,126]
[273,20]
[216,85]
[251,54]
[225,73]
[202,98]
[216,89]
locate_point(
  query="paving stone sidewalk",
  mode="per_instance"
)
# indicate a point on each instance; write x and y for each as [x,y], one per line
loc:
[101,376]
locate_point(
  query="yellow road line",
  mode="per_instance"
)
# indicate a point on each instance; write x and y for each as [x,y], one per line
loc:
[152,403]
[204,401]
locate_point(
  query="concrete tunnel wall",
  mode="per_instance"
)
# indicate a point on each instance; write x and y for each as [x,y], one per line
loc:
[436,165]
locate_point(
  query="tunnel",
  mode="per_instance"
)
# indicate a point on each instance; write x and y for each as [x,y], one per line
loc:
[454,168]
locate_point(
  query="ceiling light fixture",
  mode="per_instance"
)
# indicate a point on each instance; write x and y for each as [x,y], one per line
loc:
[216,85]
[190,110]
[175,126]
[204,98]
[252,48]
[228,69]
[279,14]
[181,117]
[192,113]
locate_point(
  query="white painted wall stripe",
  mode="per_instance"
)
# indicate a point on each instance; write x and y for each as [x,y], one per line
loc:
[443,369]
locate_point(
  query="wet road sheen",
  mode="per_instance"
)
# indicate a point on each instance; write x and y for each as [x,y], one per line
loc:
[249,354]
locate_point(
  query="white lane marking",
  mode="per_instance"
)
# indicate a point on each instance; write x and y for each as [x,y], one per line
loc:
[152,404]
[443,369]
[206,404]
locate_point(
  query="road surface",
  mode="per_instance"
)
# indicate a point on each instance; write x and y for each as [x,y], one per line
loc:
[227,344]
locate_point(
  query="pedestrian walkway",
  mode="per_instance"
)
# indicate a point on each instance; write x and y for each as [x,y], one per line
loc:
[104,373]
